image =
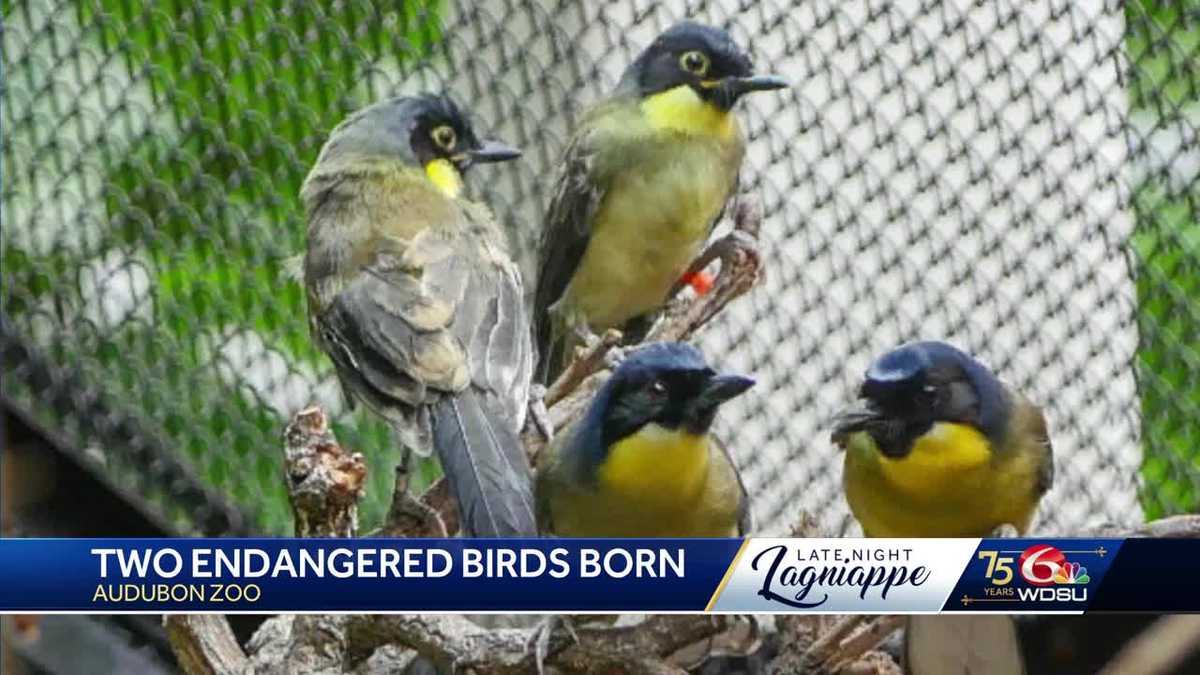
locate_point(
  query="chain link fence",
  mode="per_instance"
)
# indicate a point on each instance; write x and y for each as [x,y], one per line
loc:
[1018,177]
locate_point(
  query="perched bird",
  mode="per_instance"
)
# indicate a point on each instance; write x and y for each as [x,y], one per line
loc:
[644,178]
[939,447]
[412,295]
[641,462]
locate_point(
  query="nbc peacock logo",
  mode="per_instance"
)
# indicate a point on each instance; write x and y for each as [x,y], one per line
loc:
[1072,573]
[1052,576]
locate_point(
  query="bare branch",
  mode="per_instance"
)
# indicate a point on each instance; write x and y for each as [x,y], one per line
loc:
[205,645]
[324,481]
[1160,648]
[590,360]
[853,649]
[1172,527]
[455,642]
[741,269]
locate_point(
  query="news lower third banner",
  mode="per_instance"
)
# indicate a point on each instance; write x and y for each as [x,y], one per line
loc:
[756,575]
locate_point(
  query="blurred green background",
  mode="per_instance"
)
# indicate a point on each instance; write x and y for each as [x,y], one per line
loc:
[1163,50]
[197,217]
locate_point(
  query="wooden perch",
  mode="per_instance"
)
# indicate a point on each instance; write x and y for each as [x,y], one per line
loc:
[324,481]
[205,645]
[457,644]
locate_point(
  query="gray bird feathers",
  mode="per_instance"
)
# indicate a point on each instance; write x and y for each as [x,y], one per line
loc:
[414,298]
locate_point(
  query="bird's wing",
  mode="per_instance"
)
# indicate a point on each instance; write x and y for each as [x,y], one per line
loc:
[432,335]
[390,338]
[490,320]
[578,192]
[745,516]
[745,520]
[544,485]
[1041,435]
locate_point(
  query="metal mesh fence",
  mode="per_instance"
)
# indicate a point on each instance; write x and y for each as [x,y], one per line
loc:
[1018,177]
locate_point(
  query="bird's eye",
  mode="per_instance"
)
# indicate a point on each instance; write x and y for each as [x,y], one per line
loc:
[444,137]
[695,62]
[658,387]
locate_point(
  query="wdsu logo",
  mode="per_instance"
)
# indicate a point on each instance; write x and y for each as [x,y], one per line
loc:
[1035,576]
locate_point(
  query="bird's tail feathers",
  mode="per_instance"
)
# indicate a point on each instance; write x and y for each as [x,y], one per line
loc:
[484,461]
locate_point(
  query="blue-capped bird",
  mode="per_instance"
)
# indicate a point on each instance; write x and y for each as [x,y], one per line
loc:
[939,447]
[642,461]
[643,180]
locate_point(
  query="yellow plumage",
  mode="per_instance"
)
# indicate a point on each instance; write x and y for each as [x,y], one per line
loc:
[678,157]
[681,109]
[952,484]
[445,176]
[654,483]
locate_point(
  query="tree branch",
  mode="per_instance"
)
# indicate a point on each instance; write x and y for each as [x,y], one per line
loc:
[456,643]
[324,481]
[205,645]
[1160,648]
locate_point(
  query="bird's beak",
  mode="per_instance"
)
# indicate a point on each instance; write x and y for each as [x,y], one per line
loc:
[727,91]
[722,388]
[855,418]
[493,151]
[744,85]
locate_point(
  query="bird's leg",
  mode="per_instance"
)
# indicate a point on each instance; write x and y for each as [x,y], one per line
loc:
[538,412]
[1006,531]
[539,638]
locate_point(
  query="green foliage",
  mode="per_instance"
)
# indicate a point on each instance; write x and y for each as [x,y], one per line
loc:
[1167,244]
[241,97]
[1163,48]
[1162,42]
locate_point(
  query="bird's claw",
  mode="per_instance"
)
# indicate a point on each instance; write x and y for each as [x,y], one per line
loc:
[1005,531]
[538,412]
[539,639]
[614,357]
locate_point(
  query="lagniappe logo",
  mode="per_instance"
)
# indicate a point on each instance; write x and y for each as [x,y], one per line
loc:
[798,577]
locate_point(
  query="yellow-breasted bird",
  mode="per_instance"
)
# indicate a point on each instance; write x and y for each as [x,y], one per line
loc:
[413,296]
[644,178]
[641,462]
[939,447]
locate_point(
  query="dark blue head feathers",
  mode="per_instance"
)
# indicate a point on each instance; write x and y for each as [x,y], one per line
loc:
[668,384]
[929,377]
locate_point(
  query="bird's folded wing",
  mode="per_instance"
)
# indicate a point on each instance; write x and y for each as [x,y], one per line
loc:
[567,230]
[386,330]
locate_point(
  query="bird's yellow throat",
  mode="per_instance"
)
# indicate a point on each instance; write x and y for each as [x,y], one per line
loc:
[939,458]
[657,465]
[681,109]
[445,176]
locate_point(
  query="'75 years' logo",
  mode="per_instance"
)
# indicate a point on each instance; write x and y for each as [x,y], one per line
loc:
[1040,573]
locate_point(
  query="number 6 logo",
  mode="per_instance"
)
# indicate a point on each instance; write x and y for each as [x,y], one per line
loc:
[1039,563]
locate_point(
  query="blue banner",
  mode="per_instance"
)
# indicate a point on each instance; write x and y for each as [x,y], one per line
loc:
[279,575]
[895,576]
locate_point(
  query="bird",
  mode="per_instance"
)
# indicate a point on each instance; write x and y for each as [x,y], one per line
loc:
[644,178]
[938,446]
[413,296]
[642,461]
